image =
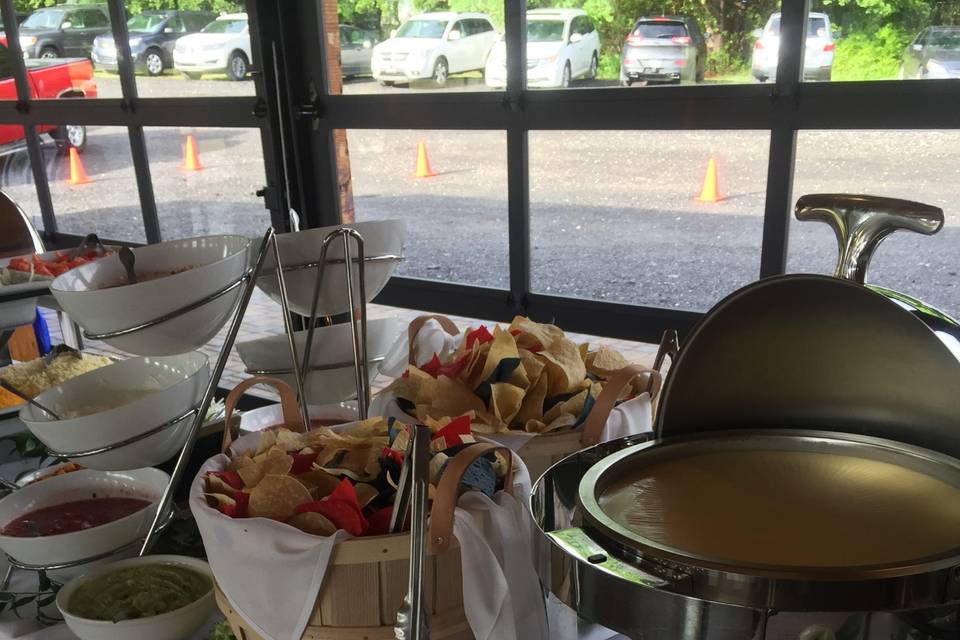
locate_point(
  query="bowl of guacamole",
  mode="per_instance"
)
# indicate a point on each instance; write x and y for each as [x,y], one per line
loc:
[151,598]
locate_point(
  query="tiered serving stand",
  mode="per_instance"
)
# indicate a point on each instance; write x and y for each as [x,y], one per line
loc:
[353,252]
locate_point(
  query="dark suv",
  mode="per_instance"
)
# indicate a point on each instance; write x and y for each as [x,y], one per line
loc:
[153,35]
[663,49]
[63,31]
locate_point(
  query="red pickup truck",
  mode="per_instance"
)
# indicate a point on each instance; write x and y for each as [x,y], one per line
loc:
[48,79]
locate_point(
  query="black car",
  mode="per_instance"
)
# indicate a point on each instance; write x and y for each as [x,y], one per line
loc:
[153,34]
[663,49]
[935,53]
[63,31]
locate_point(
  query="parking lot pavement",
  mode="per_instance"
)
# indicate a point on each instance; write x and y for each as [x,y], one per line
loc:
[613,214]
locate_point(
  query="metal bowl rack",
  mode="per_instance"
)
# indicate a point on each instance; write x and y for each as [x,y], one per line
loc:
[246,282]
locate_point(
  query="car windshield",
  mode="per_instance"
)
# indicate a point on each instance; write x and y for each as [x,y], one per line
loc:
[544,30]
[816,26]
[945,39]
[43,20]
[659,30]
[144,22]
[422,29]
[225,26]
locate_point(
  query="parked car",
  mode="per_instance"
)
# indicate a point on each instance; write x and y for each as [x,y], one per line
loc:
[63,31]
[356,50]
[818,56]
[153,35]
[65,78]
[434,45]
[934,53]
[663,49]
[562,45]
[223,46]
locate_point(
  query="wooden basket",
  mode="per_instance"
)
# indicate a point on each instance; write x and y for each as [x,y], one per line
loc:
[366,578]
[546,449]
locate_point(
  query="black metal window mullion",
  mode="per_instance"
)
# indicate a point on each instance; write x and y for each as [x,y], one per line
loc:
[783,138]
[138,143]
[34,149]
[518,163]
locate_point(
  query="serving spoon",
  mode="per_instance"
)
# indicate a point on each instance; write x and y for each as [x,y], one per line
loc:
[12,389]
[127,259]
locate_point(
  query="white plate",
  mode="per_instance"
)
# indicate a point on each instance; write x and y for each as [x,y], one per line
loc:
[175,385]
[81,485]
[383,237]
[214,262]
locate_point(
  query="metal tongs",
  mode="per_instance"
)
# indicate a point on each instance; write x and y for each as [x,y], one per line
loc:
[90,240]
[412,621]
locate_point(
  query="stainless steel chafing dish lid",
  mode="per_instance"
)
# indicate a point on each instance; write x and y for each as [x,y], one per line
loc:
[814,506]
[814,352]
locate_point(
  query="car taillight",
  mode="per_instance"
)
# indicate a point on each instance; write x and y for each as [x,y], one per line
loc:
[635,40]
[758,45]
[682,62]
[681,39]
[830,46]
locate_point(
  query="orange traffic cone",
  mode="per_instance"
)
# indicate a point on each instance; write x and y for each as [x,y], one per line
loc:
[711,189]
[423,162]
[77,173]
[191,156]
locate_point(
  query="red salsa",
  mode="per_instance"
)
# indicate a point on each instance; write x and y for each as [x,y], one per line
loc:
[72,516]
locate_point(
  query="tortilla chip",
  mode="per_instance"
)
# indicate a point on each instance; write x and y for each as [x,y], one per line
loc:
[505,402]
[534,426]
[532,365]
[276,497]
[532,407]
[472,372]
[313,523]
[502,347]
[288,440]
[535,336]
[562,422]
[454,399]
[605,361]
[217,485]
[267,440]
[571,406]
[239,463]
[366,493]
[319,482]
[274,462]
[564,366]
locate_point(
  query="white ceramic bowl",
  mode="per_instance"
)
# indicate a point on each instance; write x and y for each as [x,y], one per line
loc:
[331,345]
[214,261]
[81,485]
[174,385]
[383,237]
[173,625]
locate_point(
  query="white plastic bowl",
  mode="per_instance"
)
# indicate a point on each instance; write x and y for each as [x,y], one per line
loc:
[173,625]
[331,345]
[175,385]
[382,237]
[81,485]
[214,261]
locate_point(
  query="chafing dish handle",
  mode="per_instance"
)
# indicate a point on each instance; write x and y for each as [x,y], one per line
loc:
[861,222]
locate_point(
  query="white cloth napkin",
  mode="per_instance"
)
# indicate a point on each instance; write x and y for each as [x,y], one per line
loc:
[431,339]
[270,572]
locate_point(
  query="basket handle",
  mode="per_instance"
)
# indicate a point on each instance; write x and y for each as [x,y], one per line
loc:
[607,398]
[446,323]
[288,404]
[445,500]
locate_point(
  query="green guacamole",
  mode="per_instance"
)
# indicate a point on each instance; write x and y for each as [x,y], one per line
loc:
[138,592]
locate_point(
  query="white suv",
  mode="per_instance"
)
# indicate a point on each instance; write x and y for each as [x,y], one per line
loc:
[818,54]
[434,45]
[223,46]
[562,44]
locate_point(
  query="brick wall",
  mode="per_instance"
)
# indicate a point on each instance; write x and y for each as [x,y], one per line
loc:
[331,24]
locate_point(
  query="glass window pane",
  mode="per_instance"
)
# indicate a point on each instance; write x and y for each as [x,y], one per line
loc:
[912,165]
[456,220]
[16,177]
[205,181]
[661,218]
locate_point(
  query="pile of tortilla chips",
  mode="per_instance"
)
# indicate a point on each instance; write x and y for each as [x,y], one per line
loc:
[325,480]
[528,377]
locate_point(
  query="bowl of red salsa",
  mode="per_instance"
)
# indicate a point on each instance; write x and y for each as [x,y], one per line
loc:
[79,515]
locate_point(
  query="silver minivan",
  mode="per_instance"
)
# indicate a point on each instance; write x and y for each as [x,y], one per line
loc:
[818,54]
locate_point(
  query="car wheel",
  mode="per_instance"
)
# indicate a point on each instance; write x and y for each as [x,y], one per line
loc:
[191,76]
[49,52]
[441,72]
[70,135]
[565,78]
[594,66]
[237,66]
[153,62]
